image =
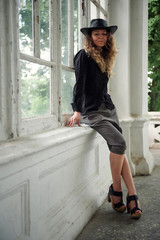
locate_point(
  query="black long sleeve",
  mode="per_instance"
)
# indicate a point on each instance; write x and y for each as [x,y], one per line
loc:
[81,67]
[90,90]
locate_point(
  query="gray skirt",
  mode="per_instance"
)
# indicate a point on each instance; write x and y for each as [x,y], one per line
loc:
[106,122]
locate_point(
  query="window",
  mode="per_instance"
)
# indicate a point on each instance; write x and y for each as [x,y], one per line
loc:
[39,64]
[36,86]
[70,45]
[74,14]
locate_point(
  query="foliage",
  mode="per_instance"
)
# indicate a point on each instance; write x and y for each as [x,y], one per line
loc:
[68,81]
[64,27]
[68,77]
[35,86]
[25,21]
[34,90]
[154,54]
[25,13]
[44,23]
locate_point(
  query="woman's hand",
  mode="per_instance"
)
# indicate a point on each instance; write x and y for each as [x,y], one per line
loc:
[75,118]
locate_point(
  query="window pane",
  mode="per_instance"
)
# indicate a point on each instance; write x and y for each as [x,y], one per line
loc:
[68,81]
[44,29]
[35,89]
[93,11]
[25,26]
[64,9]
[76,45]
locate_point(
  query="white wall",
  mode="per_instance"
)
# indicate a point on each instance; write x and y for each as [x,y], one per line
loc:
[52,183]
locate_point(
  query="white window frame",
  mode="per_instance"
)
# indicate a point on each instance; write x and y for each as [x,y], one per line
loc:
[11,124]
[100,8]
[46,122]
[8,70]
[82,21]
[84,17]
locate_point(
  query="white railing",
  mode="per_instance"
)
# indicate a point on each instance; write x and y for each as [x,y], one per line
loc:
[154,129]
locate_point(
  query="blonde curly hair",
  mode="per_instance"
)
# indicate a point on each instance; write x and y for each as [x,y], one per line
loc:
[105,58]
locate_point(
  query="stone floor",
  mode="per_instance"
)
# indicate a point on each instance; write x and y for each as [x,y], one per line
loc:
[107,224]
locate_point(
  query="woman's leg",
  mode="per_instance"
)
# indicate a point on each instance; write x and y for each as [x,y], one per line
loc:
[116,143]
[120,166]
[116,163]
[127,177]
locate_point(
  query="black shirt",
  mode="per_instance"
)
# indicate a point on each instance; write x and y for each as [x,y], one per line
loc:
[90,90]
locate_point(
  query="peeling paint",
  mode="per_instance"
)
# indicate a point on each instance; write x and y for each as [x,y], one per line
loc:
[11,135]
[83,7]
[59,101]
[37,19]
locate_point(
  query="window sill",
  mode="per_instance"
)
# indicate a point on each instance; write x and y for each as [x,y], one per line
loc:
[28,145]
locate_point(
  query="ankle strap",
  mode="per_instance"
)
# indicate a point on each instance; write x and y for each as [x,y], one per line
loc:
[114,193]
[132,198]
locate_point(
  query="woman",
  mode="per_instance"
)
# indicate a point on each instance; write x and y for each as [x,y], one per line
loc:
[93,67]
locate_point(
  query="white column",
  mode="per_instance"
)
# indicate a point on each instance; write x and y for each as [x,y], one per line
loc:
[138,87]
[119,86]
[128,87]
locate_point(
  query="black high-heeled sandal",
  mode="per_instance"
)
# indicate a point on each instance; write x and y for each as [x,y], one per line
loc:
[119,207]
[133,212]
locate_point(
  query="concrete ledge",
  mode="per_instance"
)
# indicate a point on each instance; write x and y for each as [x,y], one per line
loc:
[25,146]
[52,183]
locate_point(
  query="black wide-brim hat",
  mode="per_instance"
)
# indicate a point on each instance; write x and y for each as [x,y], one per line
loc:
[98,24]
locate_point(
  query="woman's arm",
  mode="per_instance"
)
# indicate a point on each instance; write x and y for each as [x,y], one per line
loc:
[81,66]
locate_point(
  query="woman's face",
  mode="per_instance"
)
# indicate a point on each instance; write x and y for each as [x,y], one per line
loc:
[99,37]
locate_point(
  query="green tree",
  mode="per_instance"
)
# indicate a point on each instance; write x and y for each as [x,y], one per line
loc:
[154,54]
[64,31]
[25,22]
[35,90]
[68,77]
[35,86]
